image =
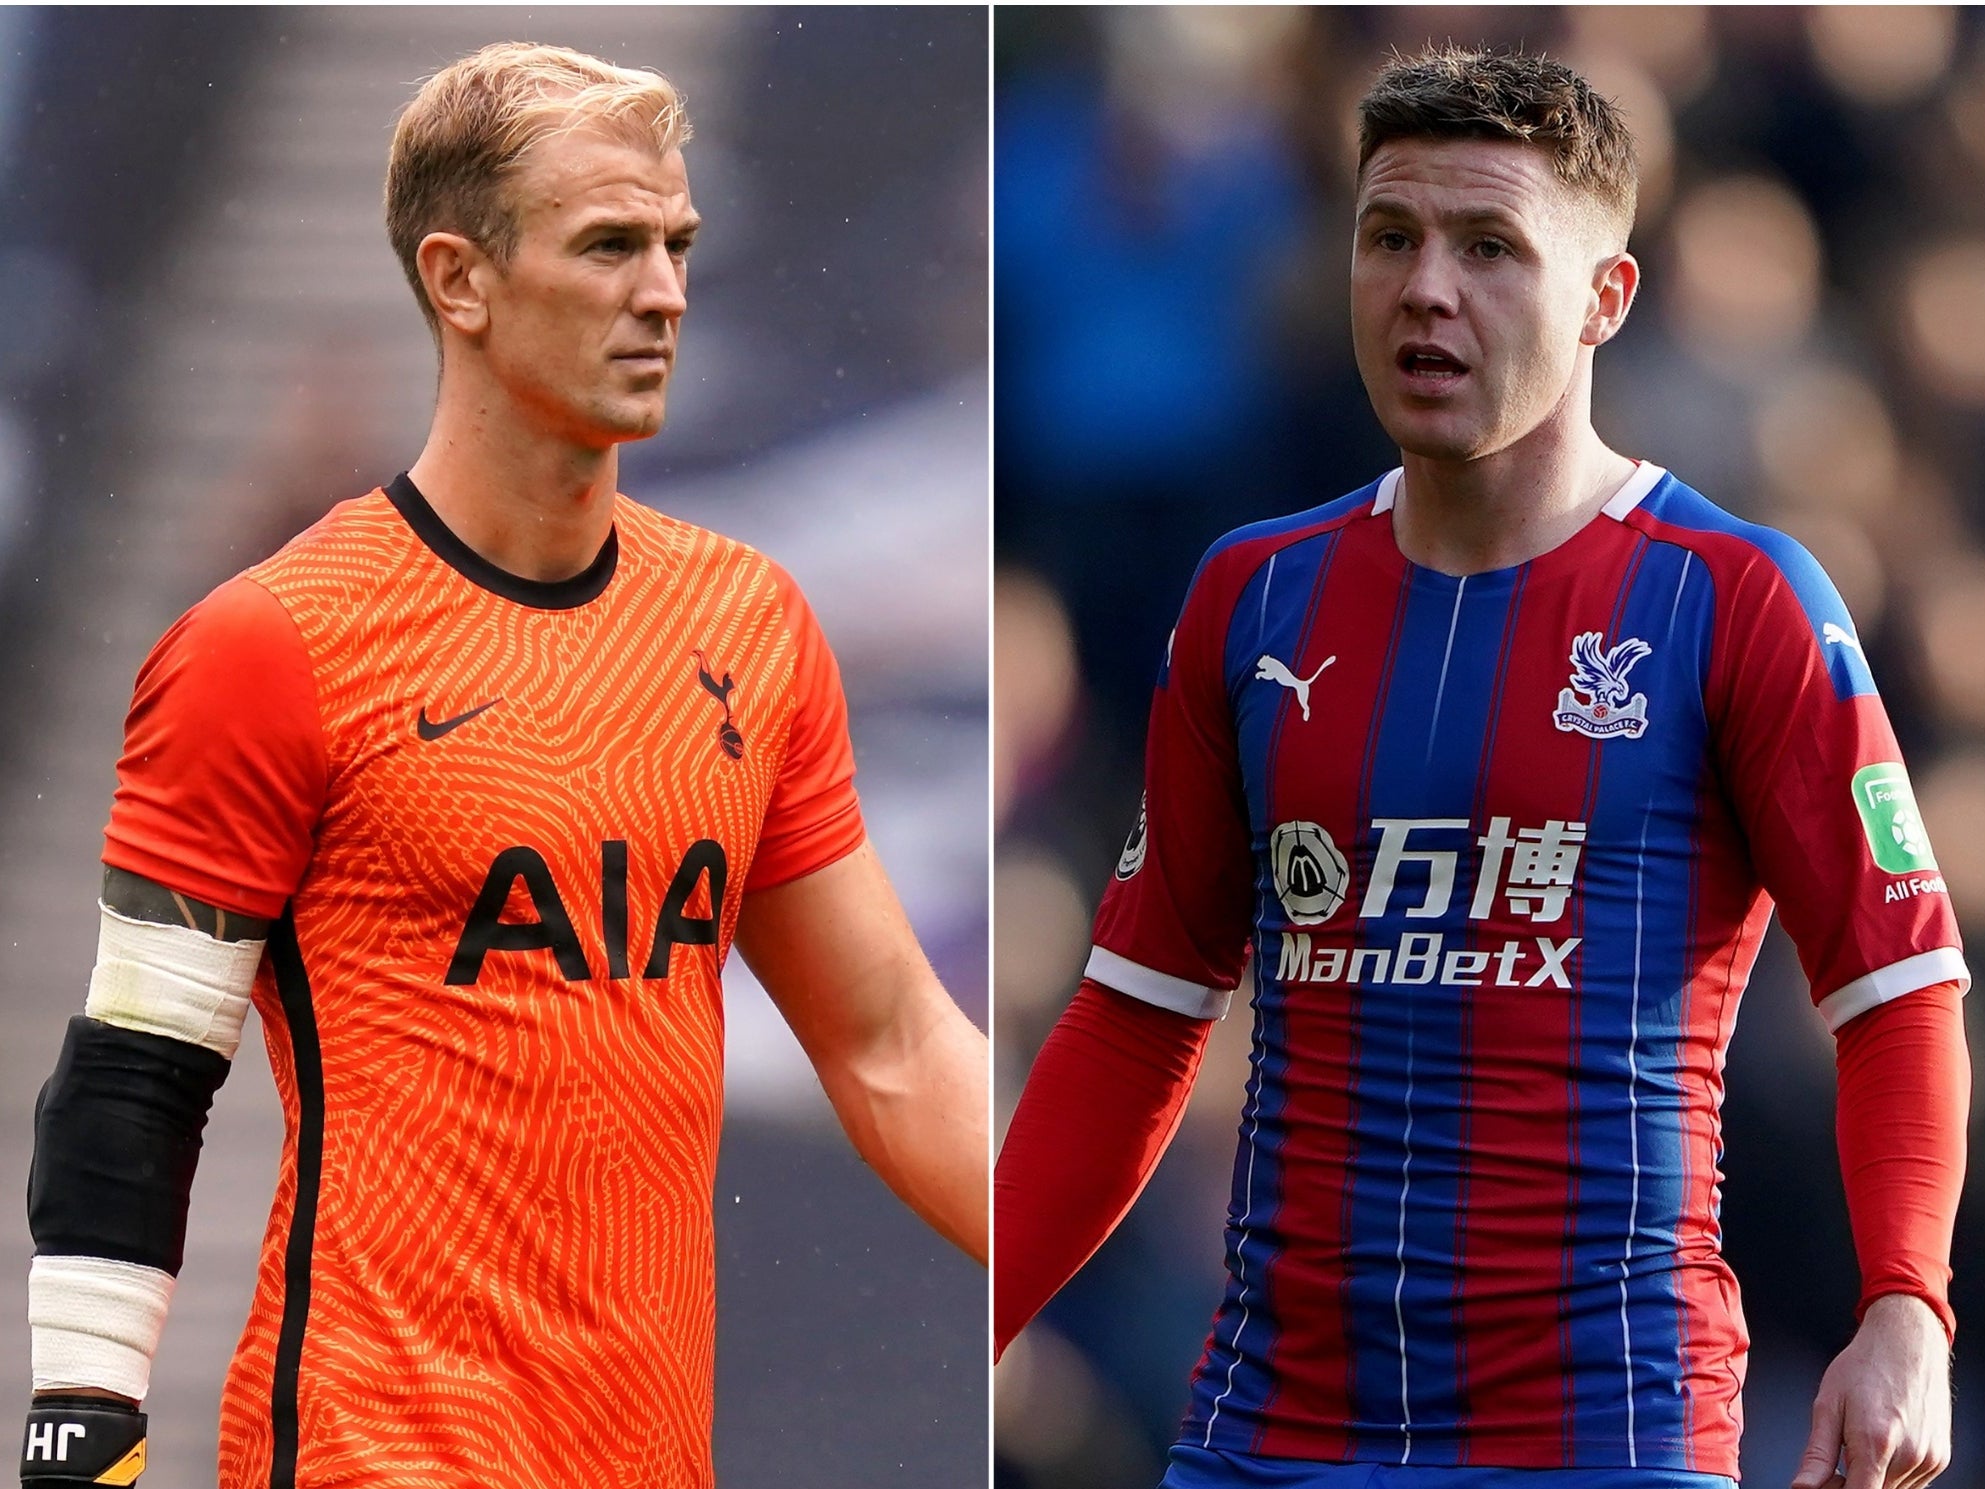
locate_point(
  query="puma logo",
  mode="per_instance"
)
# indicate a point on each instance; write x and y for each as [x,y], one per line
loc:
[1270,670]
[1839,636]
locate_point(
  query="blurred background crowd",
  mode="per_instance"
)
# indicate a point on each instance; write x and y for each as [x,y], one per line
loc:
[1172,199]
[208,342]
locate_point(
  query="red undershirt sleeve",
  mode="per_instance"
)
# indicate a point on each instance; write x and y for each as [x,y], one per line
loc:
[1905,1086]
[1101,1104]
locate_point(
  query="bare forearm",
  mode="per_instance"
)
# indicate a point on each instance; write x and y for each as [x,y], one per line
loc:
[905,1069]
[915,1107]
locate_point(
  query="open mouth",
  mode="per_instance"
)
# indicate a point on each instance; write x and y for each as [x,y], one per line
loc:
[1429,362]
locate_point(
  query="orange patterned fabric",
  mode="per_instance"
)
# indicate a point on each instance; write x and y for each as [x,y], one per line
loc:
[506,834]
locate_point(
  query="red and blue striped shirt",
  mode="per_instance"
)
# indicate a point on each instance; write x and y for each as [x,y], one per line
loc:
[1503,848]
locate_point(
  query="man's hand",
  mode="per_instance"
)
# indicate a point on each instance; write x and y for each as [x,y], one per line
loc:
[1884,1404]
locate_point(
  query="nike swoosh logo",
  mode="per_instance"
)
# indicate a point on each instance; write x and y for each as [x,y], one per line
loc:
[435,728]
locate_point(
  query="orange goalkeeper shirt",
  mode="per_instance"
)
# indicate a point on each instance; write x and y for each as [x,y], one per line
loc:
[503,828]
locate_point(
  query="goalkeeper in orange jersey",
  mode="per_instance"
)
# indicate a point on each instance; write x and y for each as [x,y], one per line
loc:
[470,789]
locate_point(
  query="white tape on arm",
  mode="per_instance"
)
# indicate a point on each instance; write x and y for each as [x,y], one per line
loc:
[172,980]
[94,1322]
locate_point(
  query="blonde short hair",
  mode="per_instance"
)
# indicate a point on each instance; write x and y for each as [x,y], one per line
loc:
[461,141]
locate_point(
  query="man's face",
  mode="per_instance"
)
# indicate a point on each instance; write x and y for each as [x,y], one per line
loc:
[583,320]
[1475,283]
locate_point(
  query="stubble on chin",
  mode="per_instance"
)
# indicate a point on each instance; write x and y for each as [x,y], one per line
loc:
[1427,440]
[628,419]
[648,423]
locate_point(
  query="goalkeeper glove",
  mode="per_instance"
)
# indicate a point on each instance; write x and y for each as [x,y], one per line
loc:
[82,1440]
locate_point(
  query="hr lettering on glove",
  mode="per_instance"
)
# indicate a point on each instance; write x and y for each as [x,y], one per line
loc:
[82,1440]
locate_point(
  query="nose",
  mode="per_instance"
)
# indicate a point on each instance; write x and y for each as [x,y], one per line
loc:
[1433,286]
[664,287]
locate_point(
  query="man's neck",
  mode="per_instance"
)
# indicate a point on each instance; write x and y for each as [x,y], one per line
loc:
[535,507]
[1470,517]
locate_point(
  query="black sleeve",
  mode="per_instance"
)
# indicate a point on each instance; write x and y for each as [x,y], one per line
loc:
[117,1134]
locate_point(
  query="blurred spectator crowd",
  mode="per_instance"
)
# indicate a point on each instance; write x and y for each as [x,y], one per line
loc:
[1172,199]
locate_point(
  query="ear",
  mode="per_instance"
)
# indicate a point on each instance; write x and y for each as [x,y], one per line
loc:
[454,272]
[1614,281]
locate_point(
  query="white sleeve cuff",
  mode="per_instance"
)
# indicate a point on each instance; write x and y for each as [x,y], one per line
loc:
[1161,989]
[94,1322]
[172,980]
[1885,984]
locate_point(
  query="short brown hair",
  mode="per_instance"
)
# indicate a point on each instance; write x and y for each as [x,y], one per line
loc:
[1451,92]
[461,141]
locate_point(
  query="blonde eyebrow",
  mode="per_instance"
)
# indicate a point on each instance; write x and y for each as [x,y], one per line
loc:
[588,226]
[636,226]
